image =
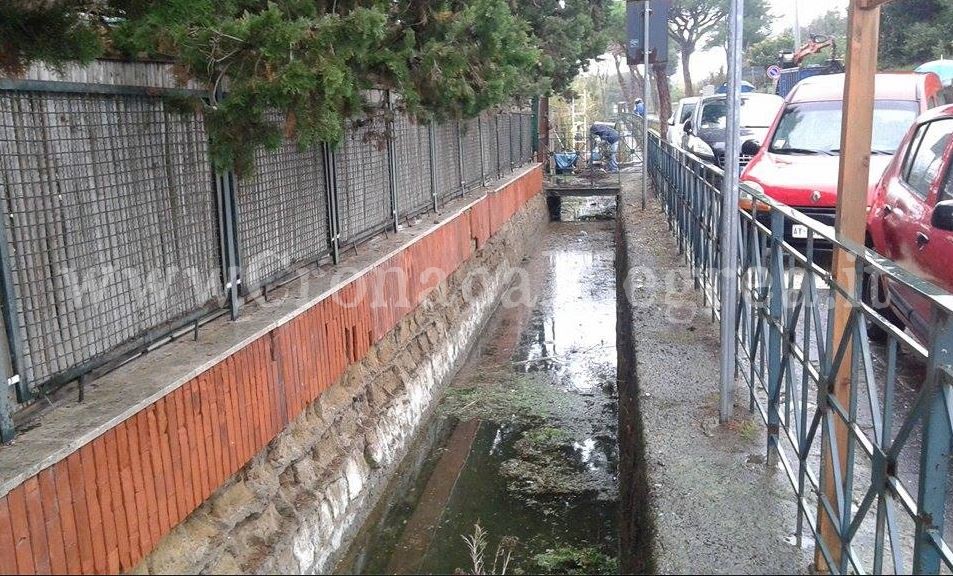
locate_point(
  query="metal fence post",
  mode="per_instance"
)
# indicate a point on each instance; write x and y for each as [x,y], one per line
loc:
[11,324]
[433,167]
[936,447]
[512,161]
[499,165]
[392,163]
[331,191]
[225,185]
[775,327]
[482,152]
[463,178]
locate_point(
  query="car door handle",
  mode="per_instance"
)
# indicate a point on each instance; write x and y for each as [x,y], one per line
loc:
[922,240]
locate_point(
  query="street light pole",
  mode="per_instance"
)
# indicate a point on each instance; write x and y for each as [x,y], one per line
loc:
[731,223]
[797,28]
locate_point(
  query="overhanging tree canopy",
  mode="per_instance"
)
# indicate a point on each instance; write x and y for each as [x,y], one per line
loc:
[310,60]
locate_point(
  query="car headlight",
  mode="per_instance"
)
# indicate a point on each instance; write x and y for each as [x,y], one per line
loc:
[700,148]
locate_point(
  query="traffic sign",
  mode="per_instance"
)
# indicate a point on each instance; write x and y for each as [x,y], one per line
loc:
[773,72]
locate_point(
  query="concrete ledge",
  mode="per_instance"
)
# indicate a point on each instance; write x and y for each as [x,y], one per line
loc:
[77,490]
[714,505]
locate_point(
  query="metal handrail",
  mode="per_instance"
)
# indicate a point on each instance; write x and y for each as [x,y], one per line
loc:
[787,358]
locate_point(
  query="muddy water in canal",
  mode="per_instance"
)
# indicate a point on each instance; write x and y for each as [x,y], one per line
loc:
[520,457]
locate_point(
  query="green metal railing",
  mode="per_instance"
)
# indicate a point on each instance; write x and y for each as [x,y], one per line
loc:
[885,487]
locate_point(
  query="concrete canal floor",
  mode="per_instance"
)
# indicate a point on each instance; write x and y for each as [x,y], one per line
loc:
[520,459]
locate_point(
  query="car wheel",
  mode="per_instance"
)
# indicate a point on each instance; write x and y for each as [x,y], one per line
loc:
[872,297]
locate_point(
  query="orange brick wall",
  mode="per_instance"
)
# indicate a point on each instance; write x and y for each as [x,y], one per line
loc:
[106,506]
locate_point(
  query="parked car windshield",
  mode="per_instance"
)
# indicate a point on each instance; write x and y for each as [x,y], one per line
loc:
[687,111]
[815,127]
[755,112]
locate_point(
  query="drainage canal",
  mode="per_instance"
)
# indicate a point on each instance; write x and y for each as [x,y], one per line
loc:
[519,460]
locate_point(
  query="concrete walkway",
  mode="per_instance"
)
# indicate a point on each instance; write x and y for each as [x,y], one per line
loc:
[715,506]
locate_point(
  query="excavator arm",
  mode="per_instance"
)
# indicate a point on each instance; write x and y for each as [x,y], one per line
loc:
[814,46]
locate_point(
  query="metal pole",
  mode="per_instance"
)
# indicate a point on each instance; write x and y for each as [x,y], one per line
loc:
[645,102]
[731,224]
[392,162]
[797,27]
[231,248]
[330,188]
[433,168]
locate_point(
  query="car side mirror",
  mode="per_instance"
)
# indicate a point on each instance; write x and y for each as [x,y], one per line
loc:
[671,120]
[687,127]
[750,148]
[943,216]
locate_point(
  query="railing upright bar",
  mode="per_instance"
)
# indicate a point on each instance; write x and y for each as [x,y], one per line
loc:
[935,448]
[776,309]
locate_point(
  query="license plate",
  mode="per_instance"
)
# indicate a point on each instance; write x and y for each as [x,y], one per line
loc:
[799,231]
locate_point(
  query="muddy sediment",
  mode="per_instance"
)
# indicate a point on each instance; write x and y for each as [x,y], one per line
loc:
[524,463]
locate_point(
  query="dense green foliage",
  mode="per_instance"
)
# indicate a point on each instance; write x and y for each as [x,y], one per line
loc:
[915,31]
[569,33]
[311,60]
[48,31]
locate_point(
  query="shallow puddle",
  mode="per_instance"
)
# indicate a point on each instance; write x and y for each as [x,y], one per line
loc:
[519,461]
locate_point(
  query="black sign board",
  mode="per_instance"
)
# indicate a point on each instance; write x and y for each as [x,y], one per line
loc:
[658,30]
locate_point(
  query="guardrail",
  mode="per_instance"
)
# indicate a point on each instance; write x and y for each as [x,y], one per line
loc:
[870,474]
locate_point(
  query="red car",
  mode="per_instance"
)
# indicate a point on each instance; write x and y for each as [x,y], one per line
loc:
[910,219]
[798,162]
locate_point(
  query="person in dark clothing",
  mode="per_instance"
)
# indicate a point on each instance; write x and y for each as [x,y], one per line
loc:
[611,136]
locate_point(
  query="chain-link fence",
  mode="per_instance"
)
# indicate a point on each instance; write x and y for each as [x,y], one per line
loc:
[117,232]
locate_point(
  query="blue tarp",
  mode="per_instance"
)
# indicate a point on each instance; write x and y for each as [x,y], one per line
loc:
[565,161]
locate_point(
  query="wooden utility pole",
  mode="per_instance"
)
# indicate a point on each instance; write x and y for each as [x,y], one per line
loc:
[851,224]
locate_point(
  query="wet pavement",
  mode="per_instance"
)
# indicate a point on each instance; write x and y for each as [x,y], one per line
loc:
[520,460]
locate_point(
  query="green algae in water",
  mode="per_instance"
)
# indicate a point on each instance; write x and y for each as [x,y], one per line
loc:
[509,397]
[566,560]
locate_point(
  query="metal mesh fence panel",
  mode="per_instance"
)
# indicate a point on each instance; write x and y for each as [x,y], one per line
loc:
[527,135]
[472,154]
[490,157]
[412,150]
[363,187]
[282,213]
[505,142]
[111,222]
[448,159]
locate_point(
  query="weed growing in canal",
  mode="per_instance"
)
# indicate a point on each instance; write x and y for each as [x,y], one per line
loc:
[508,397]
[566,560]
[477,543]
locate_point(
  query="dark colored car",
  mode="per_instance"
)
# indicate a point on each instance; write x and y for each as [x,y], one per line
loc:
[910,219]
[705,132]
